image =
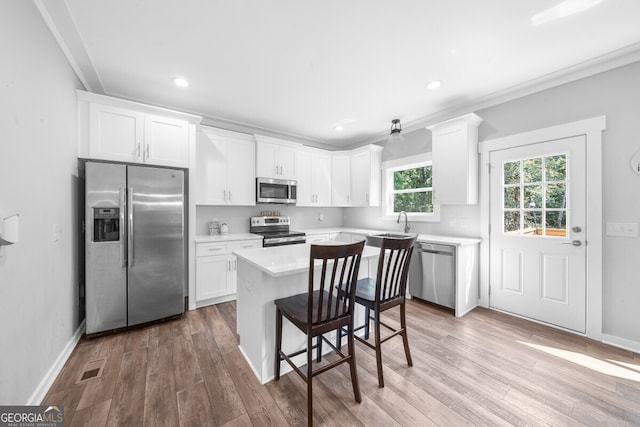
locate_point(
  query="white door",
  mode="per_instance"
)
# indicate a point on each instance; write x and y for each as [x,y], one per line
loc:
[537,239]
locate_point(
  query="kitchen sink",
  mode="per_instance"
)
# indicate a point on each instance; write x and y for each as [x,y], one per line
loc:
[376,239]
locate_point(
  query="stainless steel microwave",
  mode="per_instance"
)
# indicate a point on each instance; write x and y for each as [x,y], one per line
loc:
[269,190]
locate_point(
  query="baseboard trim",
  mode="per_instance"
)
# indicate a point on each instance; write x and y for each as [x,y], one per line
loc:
[621,343]
[51,375]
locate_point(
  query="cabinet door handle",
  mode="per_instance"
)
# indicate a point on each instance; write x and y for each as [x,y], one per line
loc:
[276,169]
[214,249]
[229,195]
[147,155]
[229,265]
[235,264]
[224,195]
[138,151]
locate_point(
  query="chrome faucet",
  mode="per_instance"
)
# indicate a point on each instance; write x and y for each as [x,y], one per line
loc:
[407,227]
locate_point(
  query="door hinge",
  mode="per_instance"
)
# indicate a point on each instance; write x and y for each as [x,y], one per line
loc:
[489,227]
[489,167]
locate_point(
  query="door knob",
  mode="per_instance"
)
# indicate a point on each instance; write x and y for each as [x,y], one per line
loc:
[574,243]
[576,229]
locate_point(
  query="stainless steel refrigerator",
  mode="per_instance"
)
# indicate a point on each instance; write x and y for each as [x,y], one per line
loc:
[135,244]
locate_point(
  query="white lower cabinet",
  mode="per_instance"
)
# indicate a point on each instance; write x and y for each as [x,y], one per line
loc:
[216,270]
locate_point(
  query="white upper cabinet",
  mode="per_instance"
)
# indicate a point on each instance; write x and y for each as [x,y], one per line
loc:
[341,178]
[275,158]
[166,141]
[366,176]
[225,168]
[314,177]
[124,131]
[455,160]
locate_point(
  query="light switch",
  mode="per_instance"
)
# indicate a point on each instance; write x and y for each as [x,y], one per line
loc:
[622,229]
[56,232]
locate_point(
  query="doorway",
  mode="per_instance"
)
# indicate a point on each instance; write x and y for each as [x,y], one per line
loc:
[541,207]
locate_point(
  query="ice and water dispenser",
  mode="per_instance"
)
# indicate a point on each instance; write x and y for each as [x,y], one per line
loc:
[106,224]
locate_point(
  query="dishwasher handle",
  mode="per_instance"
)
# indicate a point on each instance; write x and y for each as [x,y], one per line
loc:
[435,249]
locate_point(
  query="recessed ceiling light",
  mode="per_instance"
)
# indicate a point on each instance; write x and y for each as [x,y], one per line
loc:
[434,84]
[180,82]
[338,128]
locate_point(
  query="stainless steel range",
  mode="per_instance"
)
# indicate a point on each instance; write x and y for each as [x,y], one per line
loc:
[275,230]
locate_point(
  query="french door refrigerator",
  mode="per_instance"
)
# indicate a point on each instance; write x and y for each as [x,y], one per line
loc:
[135,244]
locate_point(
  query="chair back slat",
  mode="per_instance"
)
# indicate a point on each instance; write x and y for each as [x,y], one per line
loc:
[393,268]
[330,302]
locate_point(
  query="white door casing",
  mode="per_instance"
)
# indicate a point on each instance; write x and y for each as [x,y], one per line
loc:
[537,247]
[591,130]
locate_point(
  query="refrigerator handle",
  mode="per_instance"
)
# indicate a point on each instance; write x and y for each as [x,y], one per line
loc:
[130,227]
[123,207]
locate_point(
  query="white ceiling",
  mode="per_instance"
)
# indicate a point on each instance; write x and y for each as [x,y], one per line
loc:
[297,68]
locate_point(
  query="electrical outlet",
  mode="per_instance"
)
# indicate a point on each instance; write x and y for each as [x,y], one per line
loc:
[462,222]
[321,217]
[622,229]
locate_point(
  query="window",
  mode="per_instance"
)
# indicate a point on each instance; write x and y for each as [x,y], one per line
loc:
[535,196]
[408,188]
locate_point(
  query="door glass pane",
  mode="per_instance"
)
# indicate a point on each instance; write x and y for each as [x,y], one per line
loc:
[511,172]
[556,167]
[532,170]
[512,222]
[532,223]
[533,196]
[512,197]
[556,196]
[556,223]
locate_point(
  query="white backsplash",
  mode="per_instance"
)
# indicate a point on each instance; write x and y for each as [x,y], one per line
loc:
[461,221]
[237,217]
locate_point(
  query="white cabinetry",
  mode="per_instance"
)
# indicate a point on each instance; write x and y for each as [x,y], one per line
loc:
[216,270]
[341,178]
[225,168]
[275,158]
[319,238]
[314,177]
[455,160]
[366,176]
[118,130]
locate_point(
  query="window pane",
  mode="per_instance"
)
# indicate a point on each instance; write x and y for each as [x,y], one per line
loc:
[512,222]
[532,196]
[511,172]
[512,197]
[556,196]
[413,202]
[532,170]
[556,223]
[556,167]
[532,222]
[412,178]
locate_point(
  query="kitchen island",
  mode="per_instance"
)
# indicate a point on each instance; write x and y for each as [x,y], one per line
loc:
[264,275]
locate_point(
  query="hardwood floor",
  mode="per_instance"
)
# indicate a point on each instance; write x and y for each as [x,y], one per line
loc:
[486,368]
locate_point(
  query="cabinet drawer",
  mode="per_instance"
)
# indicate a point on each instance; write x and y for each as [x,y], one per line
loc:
[209,249]
[234,246]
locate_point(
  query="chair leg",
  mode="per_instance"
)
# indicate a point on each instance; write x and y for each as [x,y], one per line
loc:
[319,349]
[378,348]
[309,381]
[352,364]
[405,338]
[367,319]
[339,338]
[278,344]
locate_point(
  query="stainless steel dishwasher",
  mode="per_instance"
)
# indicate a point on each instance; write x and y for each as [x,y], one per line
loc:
[432,276]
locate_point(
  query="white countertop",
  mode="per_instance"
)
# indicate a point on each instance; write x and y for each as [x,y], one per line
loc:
[427,238]
[290,259]
[218,238]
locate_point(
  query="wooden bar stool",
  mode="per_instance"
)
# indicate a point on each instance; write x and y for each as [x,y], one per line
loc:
[327,306]
[386,291]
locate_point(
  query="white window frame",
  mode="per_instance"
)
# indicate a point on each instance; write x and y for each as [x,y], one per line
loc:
[391,166]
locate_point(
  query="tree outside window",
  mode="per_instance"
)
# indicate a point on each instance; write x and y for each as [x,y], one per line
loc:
[412,189]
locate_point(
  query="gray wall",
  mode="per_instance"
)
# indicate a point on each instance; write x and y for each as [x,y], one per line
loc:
[614,93]
[38,176]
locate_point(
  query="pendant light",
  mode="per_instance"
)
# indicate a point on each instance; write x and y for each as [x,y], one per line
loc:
[396,129]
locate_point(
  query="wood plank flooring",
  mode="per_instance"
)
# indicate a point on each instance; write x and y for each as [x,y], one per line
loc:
[485,369]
